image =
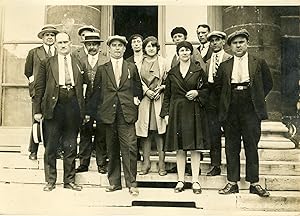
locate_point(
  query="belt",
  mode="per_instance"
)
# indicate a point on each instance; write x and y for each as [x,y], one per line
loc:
[240,86]
[67,87]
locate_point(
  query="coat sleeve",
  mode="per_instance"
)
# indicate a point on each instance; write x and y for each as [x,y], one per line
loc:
[29,64]
[40,86]
[267,77]
[137,84]
[167,96]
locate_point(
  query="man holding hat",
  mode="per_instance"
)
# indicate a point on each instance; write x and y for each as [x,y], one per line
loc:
[243,81]
[91,61]
[118,85]
[32,65]
[82,51]
[217,42]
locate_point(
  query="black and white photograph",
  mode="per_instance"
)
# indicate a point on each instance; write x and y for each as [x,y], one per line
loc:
[142,108]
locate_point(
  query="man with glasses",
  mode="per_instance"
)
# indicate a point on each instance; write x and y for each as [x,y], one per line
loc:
[32,65]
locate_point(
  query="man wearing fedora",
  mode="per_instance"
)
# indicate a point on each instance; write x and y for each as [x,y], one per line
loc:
[91,61]
[217,42]
[118,85]
[82,51]
[32,65]
[59,101]
[244,81]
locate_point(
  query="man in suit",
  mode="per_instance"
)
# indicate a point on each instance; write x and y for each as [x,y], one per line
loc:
[91,61]
[59,101]
[243,81]
[32,65]
[82,51]
[119,87]
[204,50]
[217,42]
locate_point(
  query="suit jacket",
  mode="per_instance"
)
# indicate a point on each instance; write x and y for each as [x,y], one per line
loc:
[47,86]
[261,84]
[108,95]
[197,53]
[32,65]
[79,53]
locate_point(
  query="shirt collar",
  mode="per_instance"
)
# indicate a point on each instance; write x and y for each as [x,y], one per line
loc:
[113,60]
[244,57]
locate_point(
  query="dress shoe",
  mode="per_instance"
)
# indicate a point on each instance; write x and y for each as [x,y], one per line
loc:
[134,191]
[82,168]
[162,172]
[179,187]
[113,188]
[145,171]
[196,190]
[49,187]
[73,186]
[102,169]
[33,156]
[215,171]
[229,189]
[257,189]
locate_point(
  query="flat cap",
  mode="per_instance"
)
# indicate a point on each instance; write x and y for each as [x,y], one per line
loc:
[88,28]
[92,37]
[122,39]
[241,32]
[217,34]
[177,30]
[49,28]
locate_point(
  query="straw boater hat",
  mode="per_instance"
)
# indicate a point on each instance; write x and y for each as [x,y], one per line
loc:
[92,37]
[88,28]
[47,29]
[122,39]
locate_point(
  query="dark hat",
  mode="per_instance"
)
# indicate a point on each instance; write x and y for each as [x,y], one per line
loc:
[122,39]
[135,36]
[217,34]
[178,30]
[47,29]
[37,132]
[92,37]
[241,32]
[88,28]
[184,44]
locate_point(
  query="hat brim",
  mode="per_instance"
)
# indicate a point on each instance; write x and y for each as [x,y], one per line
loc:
[229,40]
[116,39]
[41,33]
[92,40]
[37,132]
[215,35]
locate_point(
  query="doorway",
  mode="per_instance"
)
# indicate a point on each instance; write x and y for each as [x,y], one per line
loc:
[129,20]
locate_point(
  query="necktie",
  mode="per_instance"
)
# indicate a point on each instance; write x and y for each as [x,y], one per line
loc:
[67,73]
[117,73]
[216,65]
[49,52]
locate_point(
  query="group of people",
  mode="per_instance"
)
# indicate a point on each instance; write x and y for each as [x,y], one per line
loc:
[179,107]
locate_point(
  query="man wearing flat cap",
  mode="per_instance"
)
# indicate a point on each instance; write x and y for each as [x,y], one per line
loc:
[119,89]
[82,51]
[217,42]
[91,61]
[32,65]
[243,81]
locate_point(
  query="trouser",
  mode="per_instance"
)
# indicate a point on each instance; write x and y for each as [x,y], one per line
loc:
[121,136]
[65,125]
[242,121]
[87,132]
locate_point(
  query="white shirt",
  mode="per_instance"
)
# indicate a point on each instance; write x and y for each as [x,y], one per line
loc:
[240,75]
[204,49]
[92,59]
[61,69]
[120,63]
[52,48]
[184,68]
[138,58]
[212,64]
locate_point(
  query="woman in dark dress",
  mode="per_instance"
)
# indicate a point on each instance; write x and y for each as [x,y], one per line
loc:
[183,109]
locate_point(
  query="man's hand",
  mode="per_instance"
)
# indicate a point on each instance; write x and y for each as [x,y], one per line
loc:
[136,101]
[167,119]
[38,117]
[191,95]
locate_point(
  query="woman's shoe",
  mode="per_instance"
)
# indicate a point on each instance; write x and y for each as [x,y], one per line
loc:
[196,190]
[179,187]
[145,171]
[162,172]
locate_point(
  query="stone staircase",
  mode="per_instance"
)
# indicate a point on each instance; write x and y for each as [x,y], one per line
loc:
[279,173]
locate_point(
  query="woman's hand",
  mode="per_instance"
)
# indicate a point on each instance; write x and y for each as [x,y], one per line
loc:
[191,95]
[150,94]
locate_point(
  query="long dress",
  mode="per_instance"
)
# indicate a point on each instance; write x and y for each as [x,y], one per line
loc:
[187,128]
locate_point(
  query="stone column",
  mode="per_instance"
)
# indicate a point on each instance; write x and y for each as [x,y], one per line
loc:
[264,27]
[71,17]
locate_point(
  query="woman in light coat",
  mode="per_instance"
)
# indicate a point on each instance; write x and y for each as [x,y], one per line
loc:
[150,126]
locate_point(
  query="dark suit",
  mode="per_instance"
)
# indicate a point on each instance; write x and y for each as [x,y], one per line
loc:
[116,109]
[87,130]
[207,55]
[32,65]
[213,120]
[79,53]
[242,112]
[63,111]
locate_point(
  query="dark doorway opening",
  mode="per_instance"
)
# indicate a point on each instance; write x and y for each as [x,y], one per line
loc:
[129,20]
